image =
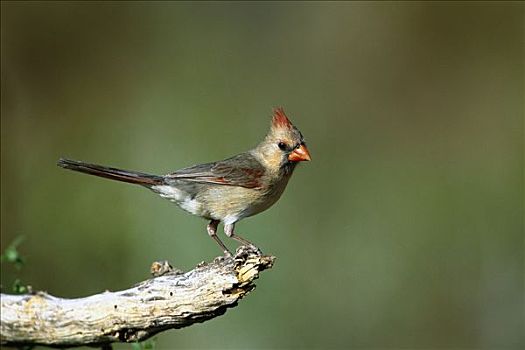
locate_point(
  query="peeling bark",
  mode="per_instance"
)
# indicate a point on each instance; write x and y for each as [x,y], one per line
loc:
[171,299]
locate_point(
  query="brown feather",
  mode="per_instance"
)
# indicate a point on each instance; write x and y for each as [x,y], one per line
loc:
[133,177]
[242,170]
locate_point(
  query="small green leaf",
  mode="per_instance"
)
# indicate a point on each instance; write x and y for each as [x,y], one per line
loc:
[149,345]
[18,287]
[145,345]
[12,255]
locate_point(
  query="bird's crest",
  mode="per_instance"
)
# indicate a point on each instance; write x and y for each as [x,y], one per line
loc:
[279,119]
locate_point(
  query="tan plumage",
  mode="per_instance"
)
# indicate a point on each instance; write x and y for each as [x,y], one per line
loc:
[228,190]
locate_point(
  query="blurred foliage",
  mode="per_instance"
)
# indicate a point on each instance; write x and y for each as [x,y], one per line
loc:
[145,345]
[404,231]
[11,256]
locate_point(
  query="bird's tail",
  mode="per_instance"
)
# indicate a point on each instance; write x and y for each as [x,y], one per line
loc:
[133,177]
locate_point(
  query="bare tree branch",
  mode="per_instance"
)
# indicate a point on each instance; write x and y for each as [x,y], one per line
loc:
[172,300]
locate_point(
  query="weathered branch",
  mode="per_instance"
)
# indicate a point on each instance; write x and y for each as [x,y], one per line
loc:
[172,300]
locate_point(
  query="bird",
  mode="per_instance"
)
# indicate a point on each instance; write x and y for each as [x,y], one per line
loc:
[223,191]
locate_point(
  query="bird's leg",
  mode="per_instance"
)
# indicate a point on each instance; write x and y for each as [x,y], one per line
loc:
[212,231]
[228,230]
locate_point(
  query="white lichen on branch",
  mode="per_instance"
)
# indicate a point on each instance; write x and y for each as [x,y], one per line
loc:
[172,300]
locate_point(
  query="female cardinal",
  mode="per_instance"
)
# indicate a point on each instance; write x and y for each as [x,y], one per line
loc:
[228,190]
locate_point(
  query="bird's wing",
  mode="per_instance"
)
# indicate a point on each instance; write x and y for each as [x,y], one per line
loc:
[242,170]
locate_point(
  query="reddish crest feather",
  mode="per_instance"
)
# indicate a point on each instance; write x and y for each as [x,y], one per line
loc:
[280,119]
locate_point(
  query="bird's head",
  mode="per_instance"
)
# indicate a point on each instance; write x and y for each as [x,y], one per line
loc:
[284,144]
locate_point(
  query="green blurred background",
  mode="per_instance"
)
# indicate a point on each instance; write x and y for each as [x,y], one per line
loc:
[406,229]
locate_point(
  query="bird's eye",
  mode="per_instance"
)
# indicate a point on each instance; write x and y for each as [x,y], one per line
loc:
[282,146]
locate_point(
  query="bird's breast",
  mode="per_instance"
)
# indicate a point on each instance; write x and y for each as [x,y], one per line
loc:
[225,203]
[267,196]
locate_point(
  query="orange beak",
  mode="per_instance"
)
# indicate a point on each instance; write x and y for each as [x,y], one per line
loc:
[299,154]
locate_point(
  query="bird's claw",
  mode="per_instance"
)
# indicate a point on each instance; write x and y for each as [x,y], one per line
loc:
[248,249]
